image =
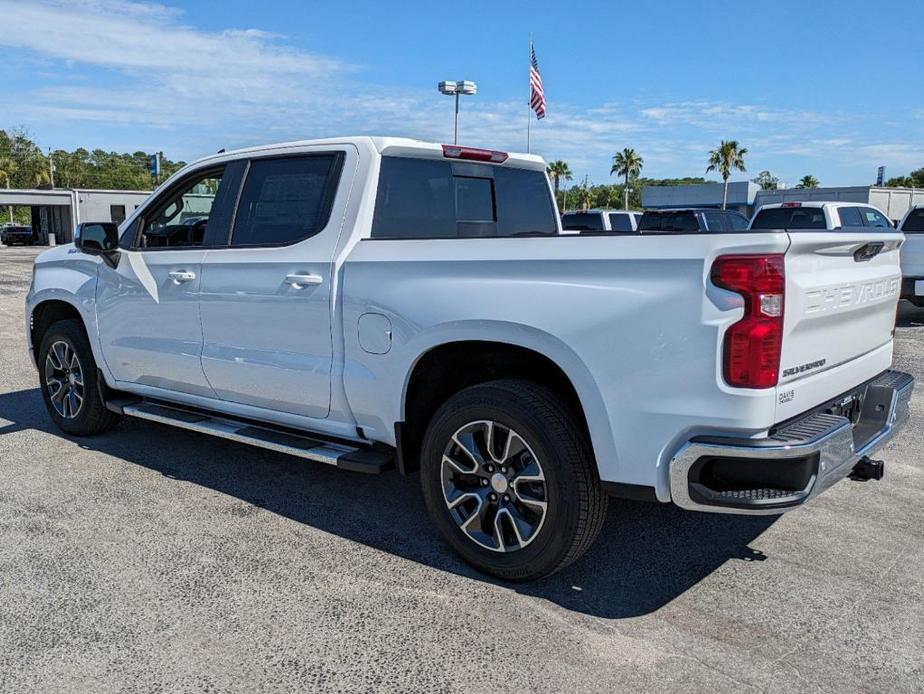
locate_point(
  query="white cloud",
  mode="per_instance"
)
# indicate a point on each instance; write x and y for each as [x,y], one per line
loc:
[133,68]
[148,40]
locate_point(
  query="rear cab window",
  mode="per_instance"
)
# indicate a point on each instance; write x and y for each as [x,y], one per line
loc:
[850,217]
[790,218]
[582,221]
[914,223]
[433,199]
[668,222]
[621,222]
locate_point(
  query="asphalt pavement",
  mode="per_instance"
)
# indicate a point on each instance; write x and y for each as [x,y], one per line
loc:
[151,559]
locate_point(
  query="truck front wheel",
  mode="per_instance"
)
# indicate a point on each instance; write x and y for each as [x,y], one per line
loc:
[67,373]
[509,479]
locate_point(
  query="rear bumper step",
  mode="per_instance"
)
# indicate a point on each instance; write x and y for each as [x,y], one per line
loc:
[795,463]
[341,455]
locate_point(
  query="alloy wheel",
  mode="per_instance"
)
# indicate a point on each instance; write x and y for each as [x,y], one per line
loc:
[64,379]
[494,486]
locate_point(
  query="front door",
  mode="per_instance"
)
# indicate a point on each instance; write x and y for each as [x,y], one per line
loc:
[148,305]
[266,297]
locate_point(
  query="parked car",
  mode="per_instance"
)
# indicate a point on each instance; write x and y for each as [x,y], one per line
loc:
[601,221]
[369,302]
[912,256]
[818,215]
[682,221]
[17,235]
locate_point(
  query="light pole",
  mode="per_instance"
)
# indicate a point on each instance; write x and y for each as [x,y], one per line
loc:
[457,88]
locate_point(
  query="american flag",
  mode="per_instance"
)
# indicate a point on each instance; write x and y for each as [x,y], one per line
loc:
[536,95]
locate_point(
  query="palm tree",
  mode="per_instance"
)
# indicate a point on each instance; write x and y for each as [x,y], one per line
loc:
[558,171]
[586,195]
[808,181]
[626,163]
[727,157]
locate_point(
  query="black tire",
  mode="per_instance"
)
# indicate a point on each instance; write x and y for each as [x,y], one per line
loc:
[575,502]
[91,416]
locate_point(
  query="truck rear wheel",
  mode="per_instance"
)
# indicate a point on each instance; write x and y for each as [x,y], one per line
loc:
[67,373]
[509,479]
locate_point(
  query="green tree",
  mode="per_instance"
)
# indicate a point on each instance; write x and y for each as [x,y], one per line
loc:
[913,180]
[558,172]
[766,181]
[627,163]
[585,195]
[6,177]
[728,156]
[808,181]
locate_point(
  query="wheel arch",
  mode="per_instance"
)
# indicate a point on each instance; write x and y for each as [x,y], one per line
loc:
[447,367]
[44,314]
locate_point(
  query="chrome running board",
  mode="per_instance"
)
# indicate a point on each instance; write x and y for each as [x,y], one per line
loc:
[347,457]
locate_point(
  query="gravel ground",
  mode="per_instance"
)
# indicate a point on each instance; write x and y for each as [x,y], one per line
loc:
[155,560]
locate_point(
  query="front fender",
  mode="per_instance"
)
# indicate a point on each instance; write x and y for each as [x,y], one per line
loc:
[66,275]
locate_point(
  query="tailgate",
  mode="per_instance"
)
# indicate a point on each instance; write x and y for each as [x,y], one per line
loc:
[842,290]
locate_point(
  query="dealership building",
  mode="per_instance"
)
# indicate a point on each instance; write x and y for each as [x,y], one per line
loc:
[55,213]
[746,197]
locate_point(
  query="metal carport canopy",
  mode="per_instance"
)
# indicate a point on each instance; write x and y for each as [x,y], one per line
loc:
[35,197]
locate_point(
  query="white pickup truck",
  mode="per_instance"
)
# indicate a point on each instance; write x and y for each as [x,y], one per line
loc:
[368,302]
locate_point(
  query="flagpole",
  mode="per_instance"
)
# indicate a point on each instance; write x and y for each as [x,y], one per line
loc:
[529,80]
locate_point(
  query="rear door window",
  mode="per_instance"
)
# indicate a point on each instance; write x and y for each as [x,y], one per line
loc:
[790,218]
[582,221]
[914,224]
[874,218]
[621,222]
[850,217]
[737,221]
[429,199]
[715,221]
[285,200]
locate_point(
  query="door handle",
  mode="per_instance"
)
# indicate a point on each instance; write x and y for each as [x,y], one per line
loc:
[180,276]
[298,281]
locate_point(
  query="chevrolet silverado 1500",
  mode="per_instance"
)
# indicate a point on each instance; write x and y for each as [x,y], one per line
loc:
[376,302]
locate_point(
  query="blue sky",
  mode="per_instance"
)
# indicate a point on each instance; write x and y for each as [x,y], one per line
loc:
[827,88]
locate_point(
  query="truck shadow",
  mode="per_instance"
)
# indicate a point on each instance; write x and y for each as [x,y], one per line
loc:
[647,555]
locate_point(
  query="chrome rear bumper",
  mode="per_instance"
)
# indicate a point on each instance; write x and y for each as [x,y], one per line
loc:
[797,462]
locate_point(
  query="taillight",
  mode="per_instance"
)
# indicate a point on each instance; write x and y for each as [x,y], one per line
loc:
[473,154]
[753,344]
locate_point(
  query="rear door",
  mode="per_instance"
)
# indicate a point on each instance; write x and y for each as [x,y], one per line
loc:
[842,289]
[266,297]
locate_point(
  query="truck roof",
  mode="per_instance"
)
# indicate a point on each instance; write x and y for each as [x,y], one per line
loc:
[602,210]
[814,203]
[385,145]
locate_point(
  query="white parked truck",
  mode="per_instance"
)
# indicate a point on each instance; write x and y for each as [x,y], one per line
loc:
[369,302]
[912,226]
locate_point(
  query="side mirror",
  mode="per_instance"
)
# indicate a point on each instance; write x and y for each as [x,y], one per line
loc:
[98,238]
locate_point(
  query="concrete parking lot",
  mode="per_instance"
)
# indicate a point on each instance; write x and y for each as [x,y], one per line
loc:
[153,559]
